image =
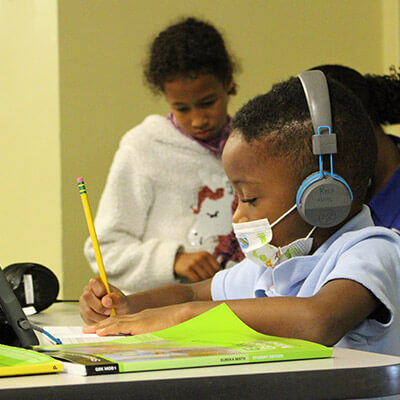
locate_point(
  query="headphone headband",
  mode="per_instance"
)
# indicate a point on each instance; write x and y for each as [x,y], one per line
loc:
[316,89]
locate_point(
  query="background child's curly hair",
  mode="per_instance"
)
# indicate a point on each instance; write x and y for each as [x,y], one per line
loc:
[380,94]
[280,120]
[188,48]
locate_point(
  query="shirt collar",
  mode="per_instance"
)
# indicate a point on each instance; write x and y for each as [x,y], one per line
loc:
[361,220]
[215,146]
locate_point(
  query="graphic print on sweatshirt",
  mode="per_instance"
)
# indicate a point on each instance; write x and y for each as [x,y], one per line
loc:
[213,224]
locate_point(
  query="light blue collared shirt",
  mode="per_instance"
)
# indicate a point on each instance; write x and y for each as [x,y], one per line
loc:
[359,251]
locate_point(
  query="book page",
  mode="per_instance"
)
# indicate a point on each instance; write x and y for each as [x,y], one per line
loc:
[71,335]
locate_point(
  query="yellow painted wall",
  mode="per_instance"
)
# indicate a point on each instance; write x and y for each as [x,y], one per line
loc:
[101,50]
[30,196]
[391,32]
[391,41]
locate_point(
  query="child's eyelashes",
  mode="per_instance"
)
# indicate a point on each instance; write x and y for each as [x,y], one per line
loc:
[203,105]
[207,104]
[251,201]
[182,109]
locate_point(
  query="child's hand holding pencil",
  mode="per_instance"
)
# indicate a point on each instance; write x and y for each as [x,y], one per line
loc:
[96,302]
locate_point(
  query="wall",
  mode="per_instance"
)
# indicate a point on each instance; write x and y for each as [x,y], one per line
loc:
[101,49]
[391,41]
[30,200]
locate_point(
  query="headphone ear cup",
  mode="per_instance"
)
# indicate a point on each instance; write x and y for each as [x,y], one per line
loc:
[323,201]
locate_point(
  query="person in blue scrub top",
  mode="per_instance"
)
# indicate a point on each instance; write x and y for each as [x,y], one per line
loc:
[380,95]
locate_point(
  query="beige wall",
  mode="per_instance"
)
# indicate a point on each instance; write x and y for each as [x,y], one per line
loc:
[30,169]
[101,47]
[391,40]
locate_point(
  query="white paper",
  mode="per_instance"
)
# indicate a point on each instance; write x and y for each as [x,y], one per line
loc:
[71,335]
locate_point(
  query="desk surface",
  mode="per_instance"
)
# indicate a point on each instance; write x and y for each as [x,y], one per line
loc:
[349,374]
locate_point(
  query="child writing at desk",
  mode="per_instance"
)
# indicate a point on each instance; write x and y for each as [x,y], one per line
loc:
[149,232]
[316,267]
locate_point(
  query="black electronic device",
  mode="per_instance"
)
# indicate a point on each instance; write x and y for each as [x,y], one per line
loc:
[15,329]
[34,284]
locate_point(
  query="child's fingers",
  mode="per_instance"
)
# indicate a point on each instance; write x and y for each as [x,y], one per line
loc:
[97,287]
[115,300]
[207,267]
[89,328]
[203,271]
[91,308]
[125,324]
[193,275]
[103,328]
[91,317]
[149,320]
[108,330]
[111,300]
[107,301]
[214,264]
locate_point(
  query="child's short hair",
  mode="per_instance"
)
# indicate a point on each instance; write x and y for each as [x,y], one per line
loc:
[188,48]
[281,119]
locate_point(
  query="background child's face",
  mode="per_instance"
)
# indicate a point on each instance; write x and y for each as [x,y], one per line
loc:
[265,187]
[199,105]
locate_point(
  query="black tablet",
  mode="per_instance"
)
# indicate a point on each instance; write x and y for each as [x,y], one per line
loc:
[15,328]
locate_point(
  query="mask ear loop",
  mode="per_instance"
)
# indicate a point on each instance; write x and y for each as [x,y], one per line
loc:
[311,232]
[284,215]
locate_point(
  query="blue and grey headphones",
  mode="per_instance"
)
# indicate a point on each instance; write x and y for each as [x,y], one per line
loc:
[324,198]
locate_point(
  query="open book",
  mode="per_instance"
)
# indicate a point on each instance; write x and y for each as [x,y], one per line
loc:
[216,337]
[69,335]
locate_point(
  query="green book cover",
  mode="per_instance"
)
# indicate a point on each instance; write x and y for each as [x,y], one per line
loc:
[18,361]
[216,337]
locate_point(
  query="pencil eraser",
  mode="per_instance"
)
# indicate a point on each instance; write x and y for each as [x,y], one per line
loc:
[80,180]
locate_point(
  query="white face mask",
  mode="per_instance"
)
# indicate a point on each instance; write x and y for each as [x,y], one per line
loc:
[254,238]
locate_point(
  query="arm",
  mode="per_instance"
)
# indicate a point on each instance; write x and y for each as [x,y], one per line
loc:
[95,304]
[324,318]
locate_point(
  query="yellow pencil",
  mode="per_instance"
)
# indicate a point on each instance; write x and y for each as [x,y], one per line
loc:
[92,231]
